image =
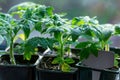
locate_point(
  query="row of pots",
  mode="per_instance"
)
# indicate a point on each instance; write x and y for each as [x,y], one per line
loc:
[81,71]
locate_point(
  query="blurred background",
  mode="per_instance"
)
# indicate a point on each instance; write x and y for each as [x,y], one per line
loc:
[107,11]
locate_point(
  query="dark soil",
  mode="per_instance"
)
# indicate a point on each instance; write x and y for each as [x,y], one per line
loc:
[46,63]
[5,59]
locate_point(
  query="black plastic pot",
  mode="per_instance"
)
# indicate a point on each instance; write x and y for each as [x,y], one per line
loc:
[57,75]
[115,49]
[24,70]
[86,73]
[45,74]
[110,75]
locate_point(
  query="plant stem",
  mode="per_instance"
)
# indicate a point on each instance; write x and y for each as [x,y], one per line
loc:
[61,48]
[107,47]
[12,59]
[102,45]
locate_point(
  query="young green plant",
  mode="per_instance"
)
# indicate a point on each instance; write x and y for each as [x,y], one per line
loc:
[31,19]
[61,31]
[60,37]
[96,36]
[9,29]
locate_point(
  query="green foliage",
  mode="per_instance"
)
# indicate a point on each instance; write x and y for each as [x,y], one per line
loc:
[9,29]
[63,32]
[96,36]
[69,60]
[8,25]
[59,60]
[117,29]
[84,27]
[60,31]
[32,43]
[64,63]
[29,14]
[65,67]
[84,20]
[104,34]
[21,8]
[87,48]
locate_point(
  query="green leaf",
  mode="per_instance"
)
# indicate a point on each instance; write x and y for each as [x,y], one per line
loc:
[104,32]
[22,6]
[38,26]
[75,20]
[27,56]
[26,30]
[94,49]
[21,36]
[83,44]
[55,29]
[57,60]
[28,14]
[57,35]
[16,29]
[117,29]
[69,60]
[84,53]
[94,21]
[34,42]
[90,31]
[81,22]
[41,11]
[84,20]
[49,11]
[75,33]
[87,48]
[65,67]
[107,35]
